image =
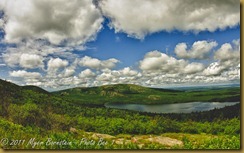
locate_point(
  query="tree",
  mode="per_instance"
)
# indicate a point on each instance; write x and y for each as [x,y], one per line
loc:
[5,102]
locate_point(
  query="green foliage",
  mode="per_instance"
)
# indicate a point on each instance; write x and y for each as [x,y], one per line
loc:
[30,112]
[212,142]
[127,93]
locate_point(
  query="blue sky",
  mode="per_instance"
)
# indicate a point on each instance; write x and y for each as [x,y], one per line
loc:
[130,50]
[158,43]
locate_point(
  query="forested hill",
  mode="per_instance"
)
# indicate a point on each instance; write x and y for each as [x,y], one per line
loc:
[127,93]
[13,88]
[119,93]
[30,112]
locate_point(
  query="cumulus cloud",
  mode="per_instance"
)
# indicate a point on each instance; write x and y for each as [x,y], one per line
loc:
[25,74]
[1,23]
[155,69]
[24,60]
[233,74]
[95,63]
[32,54]
[193,68]
[168,15]
[122,76]
[59,83]
[227,56]
[68,72]
[108,77]
[74,22]
[31,61]
[42,34]
[199,49]
[214,69]
[156,61]
[128,72]
[87,73]
[54,64]
[228,52]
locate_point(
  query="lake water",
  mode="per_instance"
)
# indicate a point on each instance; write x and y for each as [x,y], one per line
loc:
[172,108]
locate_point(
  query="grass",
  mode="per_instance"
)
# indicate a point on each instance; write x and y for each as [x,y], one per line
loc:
[206,141]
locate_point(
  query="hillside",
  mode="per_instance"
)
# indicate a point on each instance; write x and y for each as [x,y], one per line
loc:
[119,93]
[27,113]
[127,93]
[11,93]
[35,88]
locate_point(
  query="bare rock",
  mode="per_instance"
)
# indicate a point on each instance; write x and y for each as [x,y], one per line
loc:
[166,141]
[103,136]
[73,130]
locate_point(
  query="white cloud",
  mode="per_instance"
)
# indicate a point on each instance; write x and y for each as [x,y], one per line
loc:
[34,83]
[54,64]
[25,74]
[74,22]
[31,61]
[40,29]
[227,52]
[156,61]
[90,62]
[156,69]
[228,57]
[128,72]
[68,72]
[98,64]
[138,18]
[233,73]
[199,49]
[108,77]
[214,69]
[1,24]
[11,59]
[193,68]
[122,76]
[2,64]
[60,83]
[228,60]
[32,54]
[87,73]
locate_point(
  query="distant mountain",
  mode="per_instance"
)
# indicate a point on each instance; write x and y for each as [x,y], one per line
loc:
[129,93]
[113,90]
[34,88]
[118,93]
[204,87]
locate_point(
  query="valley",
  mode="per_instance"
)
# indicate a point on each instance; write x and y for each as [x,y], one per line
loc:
[134,94]
[31,112]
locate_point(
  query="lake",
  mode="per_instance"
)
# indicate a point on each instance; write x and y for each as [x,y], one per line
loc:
[172,108]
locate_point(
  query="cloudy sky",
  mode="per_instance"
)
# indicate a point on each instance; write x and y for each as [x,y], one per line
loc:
[160,43]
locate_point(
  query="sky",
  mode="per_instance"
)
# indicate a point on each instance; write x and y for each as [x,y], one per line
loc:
[62,44]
